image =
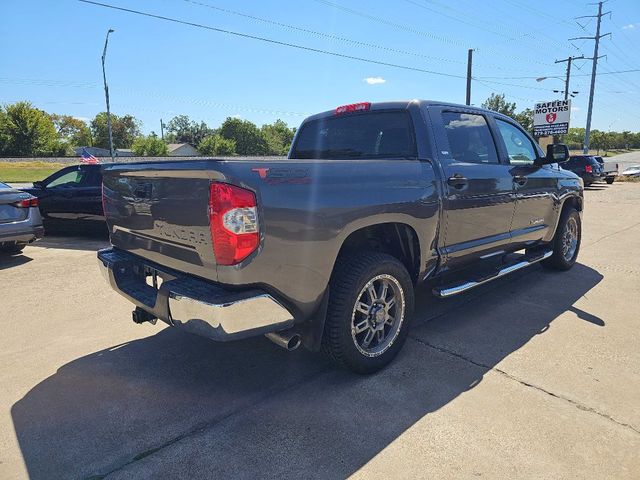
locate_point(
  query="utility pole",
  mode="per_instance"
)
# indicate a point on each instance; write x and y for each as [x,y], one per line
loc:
[161,130]
[469,65]
[106,93]
[566,82]
[594,68]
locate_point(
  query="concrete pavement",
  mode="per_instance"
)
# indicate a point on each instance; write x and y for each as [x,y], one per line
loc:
[533,376]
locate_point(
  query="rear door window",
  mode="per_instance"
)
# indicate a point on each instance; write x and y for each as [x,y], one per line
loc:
[68,177]
[382,134]
[469,138]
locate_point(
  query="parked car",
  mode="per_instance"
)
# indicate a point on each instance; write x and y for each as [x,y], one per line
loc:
[609,169]
[325,248]
[633,171]
[71,195]
[586,167]
[20,222]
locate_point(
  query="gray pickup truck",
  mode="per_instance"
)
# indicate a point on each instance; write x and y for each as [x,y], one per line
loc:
[326,248]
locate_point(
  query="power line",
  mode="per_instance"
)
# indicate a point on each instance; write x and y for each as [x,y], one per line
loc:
[272,41]
[458,18]
[576,75]
[418,32]
[319,34]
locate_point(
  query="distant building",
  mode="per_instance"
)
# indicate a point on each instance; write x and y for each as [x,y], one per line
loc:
[104,152]
[95,151]
[124,152]
[182,150]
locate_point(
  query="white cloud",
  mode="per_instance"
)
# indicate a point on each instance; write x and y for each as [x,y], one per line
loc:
[374,80]
[631,26]
[237,115]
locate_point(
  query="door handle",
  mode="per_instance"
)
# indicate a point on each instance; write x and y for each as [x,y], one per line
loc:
[520,179]
[457,181]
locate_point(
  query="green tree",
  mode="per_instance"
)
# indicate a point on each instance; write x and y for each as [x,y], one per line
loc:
[497,103]
[182,129]
[249,140]
[575,138]
[525,118]
[598,140]
[28,131]
[217,145]
[124,129]
[150,146]
[71,130]
[278,137]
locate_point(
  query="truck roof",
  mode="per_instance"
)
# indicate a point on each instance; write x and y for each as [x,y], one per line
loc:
[403,104]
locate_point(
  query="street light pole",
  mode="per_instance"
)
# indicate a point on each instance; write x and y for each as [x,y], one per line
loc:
[106,93]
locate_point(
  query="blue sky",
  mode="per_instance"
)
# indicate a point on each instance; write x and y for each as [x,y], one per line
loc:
[157,69]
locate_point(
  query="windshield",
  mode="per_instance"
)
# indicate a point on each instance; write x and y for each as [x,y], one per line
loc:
[384,134]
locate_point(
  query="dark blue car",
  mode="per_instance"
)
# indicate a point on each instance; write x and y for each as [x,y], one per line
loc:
[72,195]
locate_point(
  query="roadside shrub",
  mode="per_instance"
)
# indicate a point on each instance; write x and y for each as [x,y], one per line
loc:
[217,145]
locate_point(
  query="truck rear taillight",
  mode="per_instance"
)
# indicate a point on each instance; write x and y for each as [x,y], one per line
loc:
[233,219]
[27,203]
[353,107]
[588,168]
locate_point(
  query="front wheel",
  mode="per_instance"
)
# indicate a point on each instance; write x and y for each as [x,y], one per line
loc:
[609,180]
[566,242]
[370,305]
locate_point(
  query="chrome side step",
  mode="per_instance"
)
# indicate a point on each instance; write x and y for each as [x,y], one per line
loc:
[449,291]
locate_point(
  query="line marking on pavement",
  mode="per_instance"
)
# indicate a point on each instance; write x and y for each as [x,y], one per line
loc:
[614,233]
[576,404]
[206,425]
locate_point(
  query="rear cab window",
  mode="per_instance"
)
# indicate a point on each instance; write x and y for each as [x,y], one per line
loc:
[370,135]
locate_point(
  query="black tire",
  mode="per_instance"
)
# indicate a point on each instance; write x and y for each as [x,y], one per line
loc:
[14,248]
[353,272]
[561,260]
[609,180]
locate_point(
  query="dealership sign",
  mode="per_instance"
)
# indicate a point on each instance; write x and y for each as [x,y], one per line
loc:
[551,118]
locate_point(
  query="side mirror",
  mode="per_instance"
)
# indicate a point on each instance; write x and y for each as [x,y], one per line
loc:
[556,153]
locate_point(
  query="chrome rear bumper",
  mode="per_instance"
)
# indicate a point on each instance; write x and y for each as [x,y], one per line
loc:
[192,304]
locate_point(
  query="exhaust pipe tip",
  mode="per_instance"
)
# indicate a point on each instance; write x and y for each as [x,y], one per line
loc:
[287,340]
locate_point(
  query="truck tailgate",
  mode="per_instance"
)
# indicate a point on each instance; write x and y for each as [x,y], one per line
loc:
[159,211]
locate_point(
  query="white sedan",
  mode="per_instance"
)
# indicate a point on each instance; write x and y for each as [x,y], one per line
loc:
[633,171]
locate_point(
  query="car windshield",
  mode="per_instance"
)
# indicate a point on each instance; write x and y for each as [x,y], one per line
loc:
[383,134]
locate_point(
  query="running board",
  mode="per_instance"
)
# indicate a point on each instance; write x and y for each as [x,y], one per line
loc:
[451,290]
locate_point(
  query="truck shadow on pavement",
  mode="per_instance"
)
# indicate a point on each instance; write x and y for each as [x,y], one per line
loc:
[177,406]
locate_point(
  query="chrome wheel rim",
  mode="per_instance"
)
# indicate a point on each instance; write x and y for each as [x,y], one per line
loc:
[377,315]
[570,239]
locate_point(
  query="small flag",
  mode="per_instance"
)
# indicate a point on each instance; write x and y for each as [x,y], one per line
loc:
[86,157]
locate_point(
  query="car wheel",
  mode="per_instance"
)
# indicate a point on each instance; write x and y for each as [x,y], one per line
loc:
[609,180]
[566,242]
[370,305]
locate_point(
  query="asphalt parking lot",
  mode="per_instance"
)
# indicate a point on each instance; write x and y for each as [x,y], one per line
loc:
[533,376]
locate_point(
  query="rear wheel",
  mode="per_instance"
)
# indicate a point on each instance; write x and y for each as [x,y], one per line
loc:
[370,304]
[566,242]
